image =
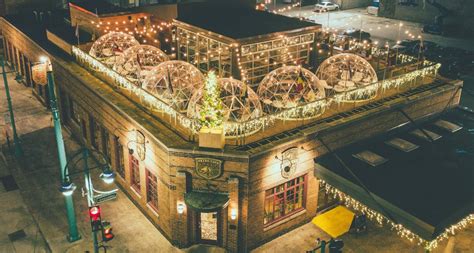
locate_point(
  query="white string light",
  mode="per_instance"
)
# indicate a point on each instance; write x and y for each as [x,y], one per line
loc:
[301,111]
[399,228]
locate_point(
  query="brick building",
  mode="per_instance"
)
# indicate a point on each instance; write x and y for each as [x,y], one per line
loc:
[263,182]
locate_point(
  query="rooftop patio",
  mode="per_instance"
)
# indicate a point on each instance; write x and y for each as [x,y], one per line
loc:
[294,111]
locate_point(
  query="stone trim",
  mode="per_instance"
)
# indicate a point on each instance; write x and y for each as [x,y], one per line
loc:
[289,218]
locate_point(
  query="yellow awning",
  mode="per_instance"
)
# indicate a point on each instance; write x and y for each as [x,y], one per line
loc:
[335,222]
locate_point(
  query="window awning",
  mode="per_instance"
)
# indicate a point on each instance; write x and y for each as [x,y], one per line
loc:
[206,201]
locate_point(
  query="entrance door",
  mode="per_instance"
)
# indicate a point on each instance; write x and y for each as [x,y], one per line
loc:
[208,228]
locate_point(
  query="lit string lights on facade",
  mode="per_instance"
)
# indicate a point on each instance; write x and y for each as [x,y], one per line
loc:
[400,229]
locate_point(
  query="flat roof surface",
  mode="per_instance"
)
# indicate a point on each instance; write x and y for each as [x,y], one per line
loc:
[98,6]
[57,25]
[433,182]
[237,22]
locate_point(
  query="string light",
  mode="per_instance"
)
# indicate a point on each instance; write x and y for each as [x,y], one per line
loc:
[298,112]
[399,228]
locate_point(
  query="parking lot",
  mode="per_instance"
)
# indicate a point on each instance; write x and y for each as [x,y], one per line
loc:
[382,29]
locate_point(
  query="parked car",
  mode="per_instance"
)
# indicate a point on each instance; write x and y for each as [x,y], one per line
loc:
[433,29]
[356,34]
[326,6]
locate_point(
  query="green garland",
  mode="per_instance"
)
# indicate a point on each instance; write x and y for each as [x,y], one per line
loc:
[211,114]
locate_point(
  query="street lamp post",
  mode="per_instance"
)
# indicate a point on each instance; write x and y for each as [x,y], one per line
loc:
[398,41]
[67,187]
[16,140]
[387,60]
[71,216]
[328,19]
[90,193]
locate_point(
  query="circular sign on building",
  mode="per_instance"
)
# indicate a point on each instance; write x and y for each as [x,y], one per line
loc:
[288,162]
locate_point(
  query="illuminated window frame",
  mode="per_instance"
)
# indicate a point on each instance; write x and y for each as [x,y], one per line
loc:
[198,50]
[135,173]
[283,196]
[152,190]
[259,59]
[119,158]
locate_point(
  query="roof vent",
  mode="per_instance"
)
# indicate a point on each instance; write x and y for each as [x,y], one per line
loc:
[446,125]
[423,134]
[402,144]
[370,158]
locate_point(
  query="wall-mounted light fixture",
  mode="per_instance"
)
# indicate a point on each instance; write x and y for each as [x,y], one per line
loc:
[233,214]
[180,208]
[140,145]
[289,160]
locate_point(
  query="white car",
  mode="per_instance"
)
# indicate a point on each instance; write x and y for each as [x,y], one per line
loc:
[326,6]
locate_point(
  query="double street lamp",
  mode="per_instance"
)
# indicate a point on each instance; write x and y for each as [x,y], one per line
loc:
[107,175]
[73,234]
[67,187]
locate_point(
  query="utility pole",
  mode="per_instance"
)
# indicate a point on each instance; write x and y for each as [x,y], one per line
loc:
[90,193]
[71,216]
[16,140]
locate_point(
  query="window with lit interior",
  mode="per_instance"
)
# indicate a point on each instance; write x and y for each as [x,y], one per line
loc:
[119,159]
[135,173]
[284,200]
[152,190]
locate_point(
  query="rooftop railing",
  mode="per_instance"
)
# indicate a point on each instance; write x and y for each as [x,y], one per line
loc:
[308,110]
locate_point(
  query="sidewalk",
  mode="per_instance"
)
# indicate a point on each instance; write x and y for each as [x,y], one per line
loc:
[18,230]
[376,239]
[38,196]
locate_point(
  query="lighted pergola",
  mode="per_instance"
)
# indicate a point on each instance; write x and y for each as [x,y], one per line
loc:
[289,87]
[240,104]
[136,62]
[349,74]
[174,82]
[109,47]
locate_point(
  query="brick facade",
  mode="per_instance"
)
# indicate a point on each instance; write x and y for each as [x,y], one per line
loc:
[245,176]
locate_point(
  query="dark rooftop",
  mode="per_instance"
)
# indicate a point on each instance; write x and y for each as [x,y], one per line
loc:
[98,6]
[68,33]
[235,21]
[432,182]
[56,23]
[36,30]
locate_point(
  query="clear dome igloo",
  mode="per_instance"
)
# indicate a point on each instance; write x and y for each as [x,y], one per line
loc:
[240,104]
[287,87]
[136,62]
[345,73]
[111,45]
[174,82]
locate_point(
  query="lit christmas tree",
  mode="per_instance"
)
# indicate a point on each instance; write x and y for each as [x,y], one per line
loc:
[211,111]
